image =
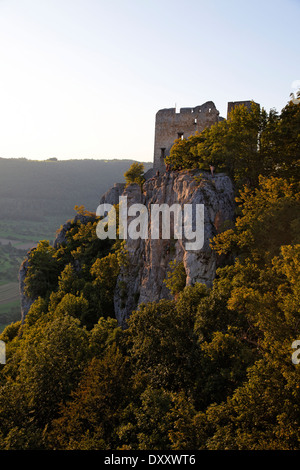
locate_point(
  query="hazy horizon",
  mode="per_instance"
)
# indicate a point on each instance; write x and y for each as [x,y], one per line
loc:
[46,159]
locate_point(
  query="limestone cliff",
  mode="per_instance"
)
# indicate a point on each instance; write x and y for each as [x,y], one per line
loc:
[142,280]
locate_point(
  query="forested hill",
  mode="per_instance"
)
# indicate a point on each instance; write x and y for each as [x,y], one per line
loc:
[32,190]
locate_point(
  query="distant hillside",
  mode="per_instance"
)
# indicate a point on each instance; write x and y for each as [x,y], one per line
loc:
[37,197]
[31,190]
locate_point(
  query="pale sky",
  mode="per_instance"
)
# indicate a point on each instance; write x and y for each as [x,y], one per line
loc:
[85,78]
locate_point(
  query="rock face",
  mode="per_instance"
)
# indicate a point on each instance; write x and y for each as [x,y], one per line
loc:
[112,195]
[143,279]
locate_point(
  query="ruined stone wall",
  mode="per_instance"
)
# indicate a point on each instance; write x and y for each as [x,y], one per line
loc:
[170,125]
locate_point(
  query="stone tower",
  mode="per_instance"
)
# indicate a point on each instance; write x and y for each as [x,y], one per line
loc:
[232,104]
[171,125]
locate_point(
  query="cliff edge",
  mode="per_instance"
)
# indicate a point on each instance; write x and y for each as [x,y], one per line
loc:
[148,260]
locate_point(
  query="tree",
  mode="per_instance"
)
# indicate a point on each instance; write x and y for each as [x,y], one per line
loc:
[176,277]
[246,145]
[105,272]
[263,413]
[162,343]
[90,418]
[286,143]
[269,217]
[182,154]
[135,174]
[231,145]
[43,271]
[43,370]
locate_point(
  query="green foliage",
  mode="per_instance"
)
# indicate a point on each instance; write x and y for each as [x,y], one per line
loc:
[88,421]
[10,332]
[269,218]
[135,174]
[105,272]
[78,277]
[263,412]
[59,186]
[43,270]
[246,145]
[183,153]
[162,342]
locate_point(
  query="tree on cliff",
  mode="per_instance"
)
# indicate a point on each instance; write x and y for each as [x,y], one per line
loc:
[135,174]
[231,145]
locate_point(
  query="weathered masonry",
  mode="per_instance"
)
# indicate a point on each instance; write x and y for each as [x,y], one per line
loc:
[171,125]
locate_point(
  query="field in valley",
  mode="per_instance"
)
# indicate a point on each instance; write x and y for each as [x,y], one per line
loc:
[9,304]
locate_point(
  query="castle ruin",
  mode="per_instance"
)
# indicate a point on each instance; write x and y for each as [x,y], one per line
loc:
[171,125]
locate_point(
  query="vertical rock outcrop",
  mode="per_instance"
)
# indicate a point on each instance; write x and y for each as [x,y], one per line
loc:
[148,260]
